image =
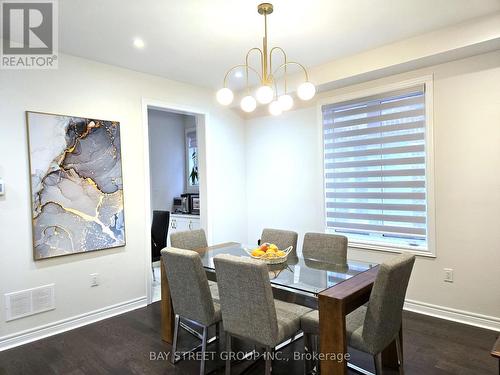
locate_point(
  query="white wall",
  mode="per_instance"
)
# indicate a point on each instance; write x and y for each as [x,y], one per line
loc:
[283,173]
[285,182]
[90,89]
[167,157]
[278,157]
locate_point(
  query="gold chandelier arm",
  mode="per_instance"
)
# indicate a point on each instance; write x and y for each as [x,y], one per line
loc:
[274,81]
[293,63]
[285,61]
[239,66]
[261,60]
[271,56]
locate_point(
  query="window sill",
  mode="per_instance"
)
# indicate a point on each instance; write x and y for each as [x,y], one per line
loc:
[390,249]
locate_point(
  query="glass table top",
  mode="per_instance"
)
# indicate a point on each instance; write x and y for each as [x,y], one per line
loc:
[304,275]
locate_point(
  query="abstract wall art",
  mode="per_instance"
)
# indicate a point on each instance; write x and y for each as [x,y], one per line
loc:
[76,184]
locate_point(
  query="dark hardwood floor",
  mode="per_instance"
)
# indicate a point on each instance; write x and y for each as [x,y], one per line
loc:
[123,345]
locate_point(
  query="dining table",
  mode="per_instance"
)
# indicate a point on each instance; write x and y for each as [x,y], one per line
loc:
[335,289]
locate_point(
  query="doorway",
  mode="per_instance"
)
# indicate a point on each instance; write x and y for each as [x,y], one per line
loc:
[175,164]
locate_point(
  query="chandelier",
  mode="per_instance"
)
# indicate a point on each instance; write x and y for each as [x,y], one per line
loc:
[268,92]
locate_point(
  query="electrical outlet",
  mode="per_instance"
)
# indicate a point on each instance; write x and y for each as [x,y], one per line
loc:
[448,275]
[94,279]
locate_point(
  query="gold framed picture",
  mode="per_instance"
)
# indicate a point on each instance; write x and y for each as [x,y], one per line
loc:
[76,184]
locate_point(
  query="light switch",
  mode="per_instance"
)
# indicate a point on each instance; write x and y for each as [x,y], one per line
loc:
[448,275]
[2,187]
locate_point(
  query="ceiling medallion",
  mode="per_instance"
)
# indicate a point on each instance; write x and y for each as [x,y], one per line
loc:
[267,93]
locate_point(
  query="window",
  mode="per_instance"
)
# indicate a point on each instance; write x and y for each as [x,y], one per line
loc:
[375,162]
[192,178]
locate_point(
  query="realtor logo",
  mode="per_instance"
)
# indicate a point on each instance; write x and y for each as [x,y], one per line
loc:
[29,34]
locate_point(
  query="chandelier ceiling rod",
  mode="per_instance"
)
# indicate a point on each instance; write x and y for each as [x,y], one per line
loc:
[265,94]
[265,9]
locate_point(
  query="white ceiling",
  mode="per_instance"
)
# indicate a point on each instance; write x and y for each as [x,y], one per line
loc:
[196,41]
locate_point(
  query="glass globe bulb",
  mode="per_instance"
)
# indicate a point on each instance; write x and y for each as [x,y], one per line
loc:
[264,94]
[225,96]
[275,108]
[248,103]
[286,102]
[306,91]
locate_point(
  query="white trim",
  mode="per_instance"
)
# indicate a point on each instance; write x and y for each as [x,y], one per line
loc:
[454,315]
[38,333]
[375,90]
[321,139]
[389,249]
[202,121]
[429,167]
[427,81]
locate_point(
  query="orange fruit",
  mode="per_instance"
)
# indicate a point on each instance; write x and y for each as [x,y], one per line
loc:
[257,253]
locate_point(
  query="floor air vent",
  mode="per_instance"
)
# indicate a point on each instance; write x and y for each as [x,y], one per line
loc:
[29,302]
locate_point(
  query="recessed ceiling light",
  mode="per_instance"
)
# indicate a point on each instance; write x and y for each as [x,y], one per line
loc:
[138,43]
[238,74]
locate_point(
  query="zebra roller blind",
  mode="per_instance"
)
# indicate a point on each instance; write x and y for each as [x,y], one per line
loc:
[375,169]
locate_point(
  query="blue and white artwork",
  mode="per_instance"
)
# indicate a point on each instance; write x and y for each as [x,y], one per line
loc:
[76,184]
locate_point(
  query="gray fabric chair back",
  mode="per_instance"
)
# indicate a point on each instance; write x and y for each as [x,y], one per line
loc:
[188,284]
[281,238]
[246,299]
[330,248]
[189,240]
[383,316]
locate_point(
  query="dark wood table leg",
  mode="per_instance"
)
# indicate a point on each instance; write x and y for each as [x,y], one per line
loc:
[334,304]
[333,337]
[167,310]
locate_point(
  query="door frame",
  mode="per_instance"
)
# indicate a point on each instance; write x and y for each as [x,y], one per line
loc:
[202,121]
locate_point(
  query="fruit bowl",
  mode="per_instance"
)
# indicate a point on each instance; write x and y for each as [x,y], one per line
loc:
[269,253]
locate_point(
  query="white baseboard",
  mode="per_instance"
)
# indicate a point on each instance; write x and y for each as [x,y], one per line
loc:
[24,337]
[460,316]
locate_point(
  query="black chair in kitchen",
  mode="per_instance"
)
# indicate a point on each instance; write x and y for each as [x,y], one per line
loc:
[159,233]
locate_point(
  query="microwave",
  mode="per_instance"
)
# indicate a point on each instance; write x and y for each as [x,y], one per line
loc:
[180,205]
[187,204]
[195,204]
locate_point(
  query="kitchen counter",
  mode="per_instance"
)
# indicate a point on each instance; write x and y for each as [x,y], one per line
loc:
[180,214]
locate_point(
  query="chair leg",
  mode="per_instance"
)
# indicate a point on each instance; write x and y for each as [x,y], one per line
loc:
[399,351]
[308,348]
[315,346]
[307,343]
[217,330]
[217,334]
[378,363]
[203,350]
[174,344]
[268,361]
[153,269]
[228,353]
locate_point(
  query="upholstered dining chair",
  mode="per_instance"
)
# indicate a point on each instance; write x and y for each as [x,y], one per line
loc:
[248,308]
[192,240]
[281,238]
[191,296]
[189,239]
[324,247]
[372,328]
